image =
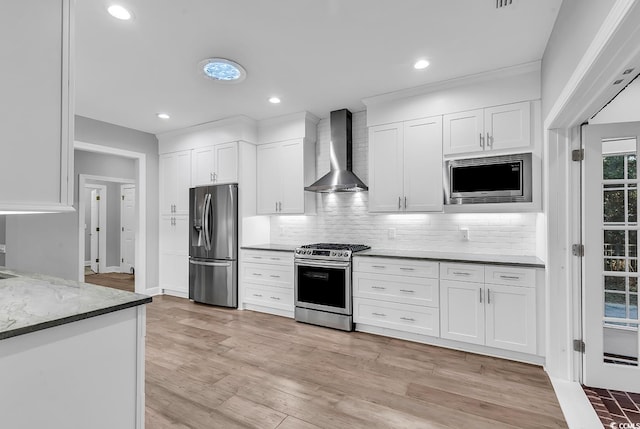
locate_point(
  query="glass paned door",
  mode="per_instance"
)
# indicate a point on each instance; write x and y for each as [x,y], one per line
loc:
[610,288]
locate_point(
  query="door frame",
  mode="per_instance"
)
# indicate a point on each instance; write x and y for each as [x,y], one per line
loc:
[122,187]
[140,160]
[102,222]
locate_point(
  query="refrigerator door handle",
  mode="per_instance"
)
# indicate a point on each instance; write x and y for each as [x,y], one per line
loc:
[205,216]
[210,264]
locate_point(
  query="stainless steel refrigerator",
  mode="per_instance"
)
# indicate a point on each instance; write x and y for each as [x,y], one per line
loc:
[213,245]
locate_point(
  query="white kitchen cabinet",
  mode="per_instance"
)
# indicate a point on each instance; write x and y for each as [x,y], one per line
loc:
[174,255]
[282,169]
[215,164]
[491,129]
[36,114]
[175,180]
[405,166]
[493,306]
[267,281]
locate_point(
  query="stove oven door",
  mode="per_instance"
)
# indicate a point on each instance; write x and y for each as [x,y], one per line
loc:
[323,286]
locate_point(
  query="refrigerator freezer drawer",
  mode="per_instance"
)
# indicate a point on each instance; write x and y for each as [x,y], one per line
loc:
[214,282]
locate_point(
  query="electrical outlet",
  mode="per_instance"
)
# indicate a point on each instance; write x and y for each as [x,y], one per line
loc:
[464,234]
[391,233]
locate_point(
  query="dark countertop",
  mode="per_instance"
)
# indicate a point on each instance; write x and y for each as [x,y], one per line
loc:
[474,258]
[274,247]
[32,302]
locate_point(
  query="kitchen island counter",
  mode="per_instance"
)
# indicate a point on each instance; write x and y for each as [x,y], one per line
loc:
[32,302]
[474,258]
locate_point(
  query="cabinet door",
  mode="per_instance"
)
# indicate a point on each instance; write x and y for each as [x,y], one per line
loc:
[385,168]
[463,132]
[511,318]
[183,181]
[462,311]
[174,234]
[36,159]
[202,166]
[423,165]
[174,273]
[508,126]
[268,176]
[168,182]
[226,163]
[291,169]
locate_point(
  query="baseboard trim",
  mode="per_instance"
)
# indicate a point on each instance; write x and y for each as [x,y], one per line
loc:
[575,405]
[176,293]
[114,269]
[152,291]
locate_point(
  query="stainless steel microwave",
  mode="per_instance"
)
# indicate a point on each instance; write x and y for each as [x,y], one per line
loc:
[492,179]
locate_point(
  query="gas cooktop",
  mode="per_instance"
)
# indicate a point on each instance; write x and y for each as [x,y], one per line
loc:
[337,246]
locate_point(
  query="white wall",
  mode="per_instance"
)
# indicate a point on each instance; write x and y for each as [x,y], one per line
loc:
[577,23]
[48,243]
[343,217]
[624,108]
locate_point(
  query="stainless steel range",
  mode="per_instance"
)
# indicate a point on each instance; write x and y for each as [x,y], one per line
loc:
[323,293]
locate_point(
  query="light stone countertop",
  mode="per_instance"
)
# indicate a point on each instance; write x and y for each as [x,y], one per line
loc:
[32,302]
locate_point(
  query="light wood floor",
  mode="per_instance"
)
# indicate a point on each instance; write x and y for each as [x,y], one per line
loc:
[208,367]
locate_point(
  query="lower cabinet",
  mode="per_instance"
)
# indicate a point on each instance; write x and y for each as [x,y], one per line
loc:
[396,294]
[497,309]
[174,255]
[267,281]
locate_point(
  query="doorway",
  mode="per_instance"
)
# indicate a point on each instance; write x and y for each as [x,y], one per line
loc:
[95,227]
[610,285]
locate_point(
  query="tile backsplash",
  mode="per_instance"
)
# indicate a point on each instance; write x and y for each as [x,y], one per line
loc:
[343,217]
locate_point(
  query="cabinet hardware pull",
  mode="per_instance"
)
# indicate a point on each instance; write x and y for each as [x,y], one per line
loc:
[378,266]
[405,203]
[407,269]
[378,287]
[481,141]
[488,140]
[258,295]
[409,319]
[215,177]
[275,259]
[257,274]
[480,294]
[257,257]
[461,273]
[274,276]
[399,203]
[407,290]
[280,206]
[275,297]
[379,314]
[510,277]
[276,206]
[211,177]
[488,296]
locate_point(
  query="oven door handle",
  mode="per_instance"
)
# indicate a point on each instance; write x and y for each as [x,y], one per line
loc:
[321,264]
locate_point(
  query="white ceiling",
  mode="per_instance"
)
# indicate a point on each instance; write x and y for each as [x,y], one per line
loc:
[316,55]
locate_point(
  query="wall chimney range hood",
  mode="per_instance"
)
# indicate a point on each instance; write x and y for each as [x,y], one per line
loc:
[340,178]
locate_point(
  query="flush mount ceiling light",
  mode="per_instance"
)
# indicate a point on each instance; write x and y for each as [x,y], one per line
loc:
[274,100]
[421,64]
[223,70]
[163,115]
[119,12]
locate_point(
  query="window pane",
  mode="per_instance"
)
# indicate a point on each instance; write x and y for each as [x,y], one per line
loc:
[633,243]
[633,306]
[614,206]
[633,205]
[615,305]
[631,167]
[614,283]
[614,265]
[633,265]
[633,284]
[613,167]
[614,243]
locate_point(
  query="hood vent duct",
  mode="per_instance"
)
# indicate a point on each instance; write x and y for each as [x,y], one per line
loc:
[340,178]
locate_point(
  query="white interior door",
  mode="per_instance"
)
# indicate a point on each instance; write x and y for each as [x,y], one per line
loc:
[610,231]
[128,228]
[94,223]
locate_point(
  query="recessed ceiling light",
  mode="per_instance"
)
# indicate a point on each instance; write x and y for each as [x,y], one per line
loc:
[119,12]
[421,64]
[274,100]
[163,115]
[223,70]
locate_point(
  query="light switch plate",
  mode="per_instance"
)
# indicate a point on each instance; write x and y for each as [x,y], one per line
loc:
[464,234]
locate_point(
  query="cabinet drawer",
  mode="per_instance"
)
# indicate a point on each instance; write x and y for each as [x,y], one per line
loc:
[512,276]
[407,290]
[404,267]
[269,297]
[402,317]
[462,272]
[273,275]
[267,257]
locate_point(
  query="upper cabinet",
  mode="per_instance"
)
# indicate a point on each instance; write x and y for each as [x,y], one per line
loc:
[405,166]
[490,129]
[175,180]
[215,164]
[36,115]
[282,170]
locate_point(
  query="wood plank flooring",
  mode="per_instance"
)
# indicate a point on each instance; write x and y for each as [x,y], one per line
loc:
[208,367]
[122,281]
